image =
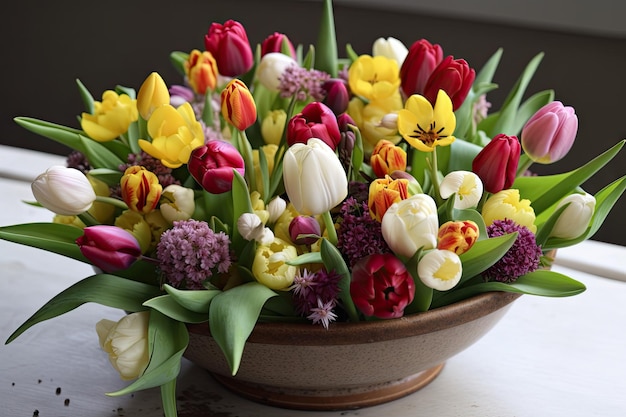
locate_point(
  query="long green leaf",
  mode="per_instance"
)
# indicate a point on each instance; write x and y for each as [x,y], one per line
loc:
[167,305]
[326,46]
[194,300]
[86,97]
[52,237]
[530,107]
[485,253]
[334,261]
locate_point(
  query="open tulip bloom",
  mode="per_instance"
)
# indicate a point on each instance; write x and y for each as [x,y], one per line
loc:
[237,190]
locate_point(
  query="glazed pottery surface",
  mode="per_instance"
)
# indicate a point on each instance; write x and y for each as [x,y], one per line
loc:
[350,365]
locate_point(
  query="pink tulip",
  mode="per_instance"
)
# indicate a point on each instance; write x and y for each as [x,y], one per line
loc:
[315,121]
[212,165]
[549,134]
[496,164]
[421,60]
[229,45]
[109,248]
[381,286]
[304,225]
[337,96]
[274,43]
[454,76]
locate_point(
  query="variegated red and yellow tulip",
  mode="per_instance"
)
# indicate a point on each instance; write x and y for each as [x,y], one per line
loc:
[457,236]
[383,192]
[387,158]
[238,107]
[141,190]
[201,71]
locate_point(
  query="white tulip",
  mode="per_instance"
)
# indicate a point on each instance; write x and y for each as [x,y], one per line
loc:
[440,269]
[314,177]
[467,186]
[271,68]
[126,342]
[276,208]
[64,191]
[574,220]
[177,203]
[411,224]
[390,48]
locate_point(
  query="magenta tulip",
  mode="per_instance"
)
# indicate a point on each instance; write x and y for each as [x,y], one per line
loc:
[274,43]
[381,286]
[454,76]
[212,165]
[421,60]
[304,225]
[109,248]
[229,45]
[315,121]
[549,134]
[496,164]
[337,96]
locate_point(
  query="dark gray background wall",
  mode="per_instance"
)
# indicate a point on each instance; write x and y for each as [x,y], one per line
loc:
[47,45]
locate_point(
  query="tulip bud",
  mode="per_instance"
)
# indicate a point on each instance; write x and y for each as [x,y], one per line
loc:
[251,227]
[421,60]
[111,117]
[496,164]
[411,224]
[270,266]
[507,204]
[440,269]
[314,177]
[455,77]
[381,286]
[390,48]
[152,94]
[457,236]
[336,95]
[177,203]
[575,218]
[201,71]
[212,165]
[276,208]
[387,158]
[466,186]
[141,190]
[304,225]
[316,120]
[238,107]
[276,43]
[229,44]
[126,342]
[383,192]
[271,69]
[273,126]
[64,191]
[109,248]
[549,134]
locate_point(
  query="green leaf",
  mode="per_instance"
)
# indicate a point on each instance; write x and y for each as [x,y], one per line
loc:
[52,237]
[423,294]
[108,290]
[194,300]
[529,108]
[111,177]
[333,261]
[86,96]
[306,258]
[167,305]
[473,215]
[485,253]
[232,317]
[178,58]
[326,57]
[241,204]
[98,155]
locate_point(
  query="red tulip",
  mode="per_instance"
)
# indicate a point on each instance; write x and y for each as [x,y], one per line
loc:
[230,46]
[381,286]
[109,248]
[274,43]
[455,77]
[496,164]
[315,121]
[304,225]
[212,165]
[337,96]
[421,60]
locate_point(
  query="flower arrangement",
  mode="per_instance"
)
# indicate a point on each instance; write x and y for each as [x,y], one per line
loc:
[279,185]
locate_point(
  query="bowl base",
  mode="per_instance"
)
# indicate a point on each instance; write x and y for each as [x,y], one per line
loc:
[330,399]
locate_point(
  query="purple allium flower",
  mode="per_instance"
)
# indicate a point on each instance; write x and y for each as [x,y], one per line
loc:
[521,258]
[191,252]
[76,159]
[311,288]
[323,313]
[359,234]
[302,83]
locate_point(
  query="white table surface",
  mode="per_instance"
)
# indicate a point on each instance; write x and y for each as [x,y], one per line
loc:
[546,357]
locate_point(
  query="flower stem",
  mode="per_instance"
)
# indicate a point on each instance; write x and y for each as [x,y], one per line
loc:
[113,201]
[330,227]
[434,177]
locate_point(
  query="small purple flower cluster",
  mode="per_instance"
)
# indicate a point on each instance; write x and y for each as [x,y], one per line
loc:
[523,257]
[190,252]
[315,295]
[302,83]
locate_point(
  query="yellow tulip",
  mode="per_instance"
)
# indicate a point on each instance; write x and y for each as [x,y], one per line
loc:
[137,225]
[152,94]
[273,126]
[270,266]
[507,204]
[111,118]
[374,78]
[368,118]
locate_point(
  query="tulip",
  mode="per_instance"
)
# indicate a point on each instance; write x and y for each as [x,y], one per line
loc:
[111,117]
[314,177]
[152,94]
[549,134]
[238,107]
[368,117]
[454,76]
[276,207]
[383,192]
[575,218]
[201,71]
[440,269]
[137,225]
[212,165]
[420,62]
[336,96]
[374,78]
[466,186]
[381,286]
[251,227]
[496,164]
[457,236]
[410,225]
[126,342]
[101,211]
[271,69]
[140,188]
[229,44]
[270,266]
[276,42]
[175,132]
[390,48]
[506,204]
[316,120]
[109,248]
[273,126]
[64,191]
[425,126]
[387,158]
[304,225]
[177,203]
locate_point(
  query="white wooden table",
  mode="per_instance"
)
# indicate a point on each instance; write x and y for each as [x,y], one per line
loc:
[547,357]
